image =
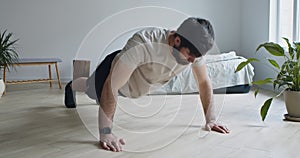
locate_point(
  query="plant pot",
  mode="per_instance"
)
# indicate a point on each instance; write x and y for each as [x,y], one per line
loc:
[292,103]
[2,87]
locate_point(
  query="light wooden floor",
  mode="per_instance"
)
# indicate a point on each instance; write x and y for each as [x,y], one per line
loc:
[34,124]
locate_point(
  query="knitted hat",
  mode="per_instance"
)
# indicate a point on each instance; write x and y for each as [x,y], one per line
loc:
[197,34]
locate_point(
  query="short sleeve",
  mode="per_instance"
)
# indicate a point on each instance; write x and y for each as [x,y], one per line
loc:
[133,52]
[199,61]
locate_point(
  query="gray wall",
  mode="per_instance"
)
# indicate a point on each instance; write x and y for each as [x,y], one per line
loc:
[56,28]
[254,31]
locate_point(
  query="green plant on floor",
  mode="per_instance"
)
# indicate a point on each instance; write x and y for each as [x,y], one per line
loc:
[288,73]
[8,51]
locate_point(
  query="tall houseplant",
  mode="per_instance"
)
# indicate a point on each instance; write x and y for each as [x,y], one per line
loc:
[288,74]
[8,53]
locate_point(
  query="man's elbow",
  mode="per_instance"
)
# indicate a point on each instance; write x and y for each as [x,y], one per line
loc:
[205,85]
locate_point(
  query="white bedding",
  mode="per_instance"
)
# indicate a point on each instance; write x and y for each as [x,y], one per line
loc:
[220,68]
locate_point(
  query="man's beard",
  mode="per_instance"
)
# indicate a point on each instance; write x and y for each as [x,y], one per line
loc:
[179,57]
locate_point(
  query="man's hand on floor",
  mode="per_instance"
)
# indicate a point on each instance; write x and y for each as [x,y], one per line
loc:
[212,126]
[111,142]
[220,129]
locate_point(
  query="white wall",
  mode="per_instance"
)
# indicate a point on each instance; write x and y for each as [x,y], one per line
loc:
[56,28]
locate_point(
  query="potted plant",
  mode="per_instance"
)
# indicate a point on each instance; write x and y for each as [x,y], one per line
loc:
[287,80]
[8,54]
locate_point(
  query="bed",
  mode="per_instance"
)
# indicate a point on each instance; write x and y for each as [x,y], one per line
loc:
[221,69]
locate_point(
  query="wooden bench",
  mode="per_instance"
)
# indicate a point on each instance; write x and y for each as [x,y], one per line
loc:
[35,62]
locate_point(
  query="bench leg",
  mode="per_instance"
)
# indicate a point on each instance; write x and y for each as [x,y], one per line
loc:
[57,74]
[4,79]
[50,75]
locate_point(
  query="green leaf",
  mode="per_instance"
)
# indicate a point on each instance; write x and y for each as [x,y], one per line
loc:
[273,48]
[256,92]
[7,38]
[261,82]
[274,63]
[291,50]
[2,36]
[244,63]
[8,53]
[278,82]
[275,83]
[241,66]
[265,108]
[297,44]
[287,42]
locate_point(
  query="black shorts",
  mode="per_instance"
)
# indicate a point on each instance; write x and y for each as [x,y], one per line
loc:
[96,81]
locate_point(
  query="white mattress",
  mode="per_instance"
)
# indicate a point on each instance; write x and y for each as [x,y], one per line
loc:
[220,68]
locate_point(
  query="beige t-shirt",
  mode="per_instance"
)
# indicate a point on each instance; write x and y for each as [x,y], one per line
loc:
[149,53]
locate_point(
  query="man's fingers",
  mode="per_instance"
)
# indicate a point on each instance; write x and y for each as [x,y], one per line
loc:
[112,148]
[225,129]
[107,146]
[218,129]
[116,146]
[122,141]
[104,145]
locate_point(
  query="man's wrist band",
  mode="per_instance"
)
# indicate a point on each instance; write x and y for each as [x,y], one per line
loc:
[105,130]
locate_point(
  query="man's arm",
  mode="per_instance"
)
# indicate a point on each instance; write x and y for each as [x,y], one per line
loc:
[206,97]
[119,75]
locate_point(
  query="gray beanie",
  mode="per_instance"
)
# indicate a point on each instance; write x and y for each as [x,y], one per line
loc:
[201,35]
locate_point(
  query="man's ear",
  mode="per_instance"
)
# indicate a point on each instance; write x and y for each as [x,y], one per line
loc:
[177,41]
